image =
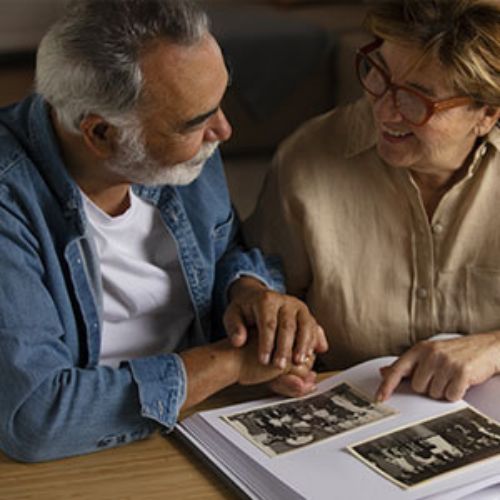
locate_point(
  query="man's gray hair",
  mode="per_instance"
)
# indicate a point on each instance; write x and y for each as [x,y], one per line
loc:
[88,62]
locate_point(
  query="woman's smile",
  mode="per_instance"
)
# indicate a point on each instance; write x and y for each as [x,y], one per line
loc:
[396,136]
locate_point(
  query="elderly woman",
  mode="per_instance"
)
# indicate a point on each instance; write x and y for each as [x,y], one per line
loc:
[386,213]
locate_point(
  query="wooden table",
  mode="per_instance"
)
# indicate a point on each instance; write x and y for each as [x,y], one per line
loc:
[156,468]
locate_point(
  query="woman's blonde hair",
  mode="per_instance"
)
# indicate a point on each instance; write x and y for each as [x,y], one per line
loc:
[464,35]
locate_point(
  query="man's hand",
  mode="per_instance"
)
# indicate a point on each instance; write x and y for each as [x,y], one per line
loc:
[444,369]
[286,328]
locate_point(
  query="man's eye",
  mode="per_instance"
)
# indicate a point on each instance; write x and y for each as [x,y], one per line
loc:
[194,128]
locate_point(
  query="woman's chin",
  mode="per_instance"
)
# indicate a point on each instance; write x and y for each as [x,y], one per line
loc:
[393,158]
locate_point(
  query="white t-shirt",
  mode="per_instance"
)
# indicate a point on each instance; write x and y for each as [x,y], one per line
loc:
[147,308]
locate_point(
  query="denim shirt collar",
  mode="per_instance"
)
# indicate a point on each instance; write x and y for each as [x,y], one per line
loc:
[49,156]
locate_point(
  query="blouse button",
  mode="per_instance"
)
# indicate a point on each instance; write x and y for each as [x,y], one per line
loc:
[437,228]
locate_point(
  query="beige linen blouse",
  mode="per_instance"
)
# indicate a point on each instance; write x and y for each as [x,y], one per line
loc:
[357,244]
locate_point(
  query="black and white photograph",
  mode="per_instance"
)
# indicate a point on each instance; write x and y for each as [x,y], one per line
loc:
[283,427]
[422,452]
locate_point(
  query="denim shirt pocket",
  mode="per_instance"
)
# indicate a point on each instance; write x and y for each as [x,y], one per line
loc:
[221,235]
[483,298]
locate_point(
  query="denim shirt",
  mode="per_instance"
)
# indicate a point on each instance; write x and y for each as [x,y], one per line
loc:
[56,400]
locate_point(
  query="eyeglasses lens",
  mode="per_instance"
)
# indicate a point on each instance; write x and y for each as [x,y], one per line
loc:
[371,78]
[412,107]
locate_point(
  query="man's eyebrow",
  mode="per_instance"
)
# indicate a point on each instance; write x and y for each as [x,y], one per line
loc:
[199,119]
[193,122]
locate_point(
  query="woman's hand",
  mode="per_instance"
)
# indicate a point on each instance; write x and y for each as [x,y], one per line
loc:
[299,380]
[444,369]
[287,330]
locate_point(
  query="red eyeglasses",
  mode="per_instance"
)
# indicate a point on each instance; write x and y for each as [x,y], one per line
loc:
[413,106]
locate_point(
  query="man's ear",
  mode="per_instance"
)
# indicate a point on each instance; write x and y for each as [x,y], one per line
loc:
[489,118]
[98,135]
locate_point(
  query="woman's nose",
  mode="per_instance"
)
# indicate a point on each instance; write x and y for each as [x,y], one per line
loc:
[386,109]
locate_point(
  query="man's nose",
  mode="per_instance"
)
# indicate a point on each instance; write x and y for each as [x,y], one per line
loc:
[219,128]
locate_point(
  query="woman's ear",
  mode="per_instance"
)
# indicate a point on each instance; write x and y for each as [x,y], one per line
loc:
[488,119]
[99,136]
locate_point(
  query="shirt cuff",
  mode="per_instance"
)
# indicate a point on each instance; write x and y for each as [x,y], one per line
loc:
[161,381]
[271,284]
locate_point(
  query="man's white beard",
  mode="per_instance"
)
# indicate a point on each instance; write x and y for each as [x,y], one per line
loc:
[133,163]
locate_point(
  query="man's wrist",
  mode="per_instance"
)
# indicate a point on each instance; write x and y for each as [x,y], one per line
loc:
[243,284]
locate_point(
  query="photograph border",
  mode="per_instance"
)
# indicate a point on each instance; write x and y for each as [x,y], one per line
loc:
[384,410]
[440,475]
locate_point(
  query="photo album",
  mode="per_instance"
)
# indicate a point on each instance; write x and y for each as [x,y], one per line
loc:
[339,440]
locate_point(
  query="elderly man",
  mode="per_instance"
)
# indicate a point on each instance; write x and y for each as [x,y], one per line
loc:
[118,243]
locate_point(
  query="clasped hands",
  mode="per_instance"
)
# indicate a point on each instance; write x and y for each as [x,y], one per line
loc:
[287,337]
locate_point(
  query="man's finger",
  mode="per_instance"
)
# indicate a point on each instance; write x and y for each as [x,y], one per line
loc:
[286,335]
[266,319]
[235,326]
[305,337]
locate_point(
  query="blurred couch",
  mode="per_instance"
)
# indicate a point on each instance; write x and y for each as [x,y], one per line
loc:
[290,60]
[23,23]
